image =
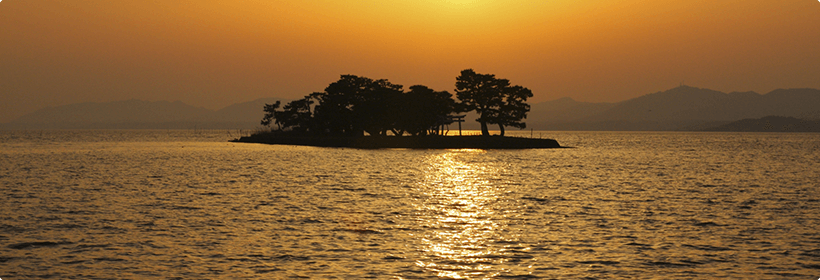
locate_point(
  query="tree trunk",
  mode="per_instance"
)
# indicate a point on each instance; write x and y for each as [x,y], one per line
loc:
[501,127]
[484,130]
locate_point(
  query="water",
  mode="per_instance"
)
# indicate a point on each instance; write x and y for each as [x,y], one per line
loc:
[189,205]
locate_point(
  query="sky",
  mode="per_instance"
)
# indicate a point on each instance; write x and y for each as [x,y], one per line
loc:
[211,54]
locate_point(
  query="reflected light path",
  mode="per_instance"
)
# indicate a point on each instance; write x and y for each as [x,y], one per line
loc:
[461,209]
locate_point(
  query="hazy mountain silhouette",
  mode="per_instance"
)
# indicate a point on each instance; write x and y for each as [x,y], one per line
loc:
[244,113]
[125,114]
[563,114]
[770,124]
[121,111]
[143,114]
[680,108]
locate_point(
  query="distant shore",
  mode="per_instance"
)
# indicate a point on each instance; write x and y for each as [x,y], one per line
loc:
[406,142]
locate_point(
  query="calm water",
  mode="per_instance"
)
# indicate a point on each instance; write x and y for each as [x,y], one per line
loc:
[189,205]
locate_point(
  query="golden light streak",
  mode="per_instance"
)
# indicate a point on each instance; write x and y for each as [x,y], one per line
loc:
[457,208]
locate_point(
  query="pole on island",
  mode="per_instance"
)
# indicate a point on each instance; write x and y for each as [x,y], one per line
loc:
[459,128]
[459,119]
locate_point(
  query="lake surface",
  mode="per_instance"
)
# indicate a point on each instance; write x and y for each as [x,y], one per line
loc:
[189,205]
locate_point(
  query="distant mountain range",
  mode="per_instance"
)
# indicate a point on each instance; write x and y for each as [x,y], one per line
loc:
[138,114]
[680,108]
[770,124]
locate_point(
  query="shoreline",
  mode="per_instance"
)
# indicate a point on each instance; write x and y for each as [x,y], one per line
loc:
[405,142]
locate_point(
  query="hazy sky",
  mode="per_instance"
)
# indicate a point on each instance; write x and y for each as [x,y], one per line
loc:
[213,53]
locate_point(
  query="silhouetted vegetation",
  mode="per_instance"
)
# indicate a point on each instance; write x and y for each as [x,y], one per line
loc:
[494,99]
[353,106]
[422,111]
[456,142]
[356,105]
[348,107]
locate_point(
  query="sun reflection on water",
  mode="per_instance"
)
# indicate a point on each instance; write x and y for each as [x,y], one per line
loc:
[460,211]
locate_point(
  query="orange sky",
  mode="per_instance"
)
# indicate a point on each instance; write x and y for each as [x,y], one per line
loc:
[213,53]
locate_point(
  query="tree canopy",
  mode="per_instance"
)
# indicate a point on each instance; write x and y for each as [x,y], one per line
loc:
[354,105]
[422,110]
[494,99]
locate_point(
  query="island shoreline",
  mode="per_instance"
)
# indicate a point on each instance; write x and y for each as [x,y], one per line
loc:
[405,142]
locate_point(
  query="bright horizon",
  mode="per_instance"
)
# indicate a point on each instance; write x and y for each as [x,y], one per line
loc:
[215,53]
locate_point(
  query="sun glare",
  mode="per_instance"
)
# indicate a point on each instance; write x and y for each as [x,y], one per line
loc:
[459,197]
[460,2]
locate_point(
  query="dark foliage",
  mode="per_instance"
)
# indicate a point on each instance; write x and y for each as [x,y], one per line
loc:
[353,106]
[423,110]
[495,100]
[270,111]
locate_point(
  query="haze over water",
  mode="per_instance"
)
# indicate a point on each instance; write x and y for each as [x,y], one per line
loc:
[213,53]
[189,205]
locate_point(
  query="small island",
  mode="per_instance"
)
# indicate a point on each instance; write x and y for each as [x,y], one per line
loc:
[405,142]
[359,112]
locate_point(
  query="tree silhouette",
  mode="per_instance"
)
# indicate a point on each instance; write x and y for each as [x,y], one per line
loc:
[354,105]
[270,113]
[513,108]
[493,99]
[332,115]
[421,110]
[362,104]
[296,116]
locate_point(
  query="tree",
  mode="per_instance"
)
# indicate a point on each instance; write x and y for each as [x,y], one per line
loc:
[354,105]
[422,109]
[360,105]
[479,92]
[332,114]
[513,108]
[270,111]
[493,99]
[296,115]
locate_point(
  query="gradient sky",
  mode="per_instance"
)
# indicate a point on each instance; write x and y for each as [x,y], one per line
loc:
[214,53]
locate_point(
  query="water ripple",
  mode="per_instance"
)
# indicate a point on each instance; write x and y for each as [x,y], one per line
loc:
[620,205]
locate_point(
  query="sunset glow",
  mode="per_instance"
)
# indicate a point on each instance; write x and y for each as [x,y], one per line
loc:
[214,53]
[458,199]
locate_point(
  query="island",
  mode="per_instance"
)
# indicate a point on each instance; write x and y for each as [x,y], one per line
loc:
[360,112]
[405,142]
